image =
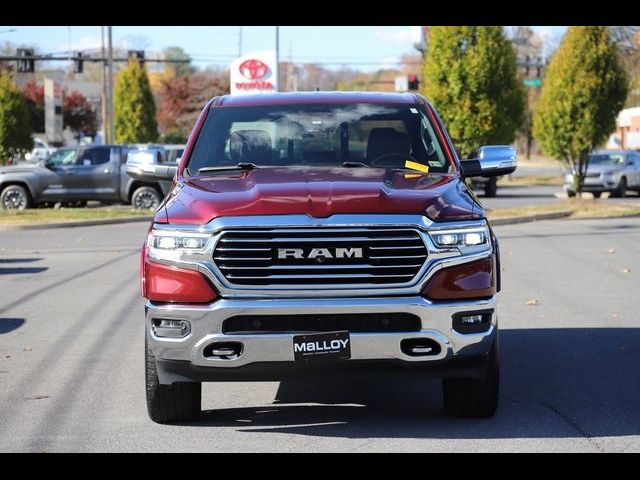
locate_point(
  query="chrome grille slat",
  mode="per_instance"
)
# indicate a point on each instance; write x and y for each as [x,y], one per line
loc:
[390,256]
[317,267]
[344,275]
[243,259]
[315,239]
[397,256]
[229,249]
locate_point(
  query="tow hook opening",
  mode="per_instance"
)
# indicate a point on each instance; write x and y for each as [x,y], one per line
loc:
[420,347]
[223,350]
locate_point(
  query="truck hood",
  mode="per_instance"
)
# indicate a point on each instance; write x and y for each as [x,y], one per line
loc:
[318,192]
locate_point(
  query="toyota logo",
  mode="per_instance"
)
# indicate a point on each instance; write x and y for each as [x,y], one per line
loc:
[254,69]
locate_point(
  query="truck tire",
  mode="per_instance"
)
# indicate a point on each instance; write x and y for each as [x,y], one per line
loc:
[178,402]
[145,198]
[491,188]
[474,397]
[15,197]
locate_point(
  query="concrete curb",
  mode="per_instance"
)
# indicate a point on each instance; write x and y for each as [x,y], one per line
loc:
[78,223]
[530,218]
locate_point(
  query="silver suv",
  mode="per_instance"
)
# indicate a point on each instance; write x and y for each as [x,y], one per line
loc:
[613,171]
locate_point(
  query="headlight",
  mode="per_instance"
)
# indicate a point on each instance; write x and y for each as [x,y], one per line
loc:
[470,239]
[171,245]
[175,242]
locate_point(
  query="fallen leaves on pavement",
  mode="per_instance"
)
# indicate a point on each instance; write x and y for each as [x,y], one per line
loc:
[533,301]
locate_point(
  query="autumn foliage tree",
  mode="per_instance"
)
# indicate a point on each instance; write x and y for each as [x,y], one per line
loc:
[15,127]
[584,89]
[470,76]
[180,100]
[134,106]
[78,114]
[34,96]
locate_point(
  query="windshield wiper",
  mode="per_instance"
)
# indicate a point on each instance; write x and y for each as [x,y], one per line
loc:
[355,165]
[239,166]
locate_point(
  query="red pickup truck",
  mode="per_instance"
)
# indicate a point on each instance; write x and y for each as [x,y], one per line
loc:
[320,233]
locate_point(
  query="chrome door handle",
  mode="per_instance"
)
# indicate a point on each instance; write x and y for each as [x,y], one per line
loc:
[106,170]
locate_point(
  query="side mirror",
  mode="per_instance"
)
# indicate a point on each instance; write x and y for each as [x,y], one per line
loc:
[492,161]
[143,165]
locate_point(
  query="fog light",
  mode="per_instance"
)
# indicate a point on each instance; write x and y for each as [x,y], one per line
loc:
[471,319]
[169,328]
[472,322]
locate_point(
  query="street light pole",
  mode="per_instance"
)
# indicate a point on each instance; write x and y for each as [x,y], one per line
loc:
[110,85]
[105,96]
[278,56]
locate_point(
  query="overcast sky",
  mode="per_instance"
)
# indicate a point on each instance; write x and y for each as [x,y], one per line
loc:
[363,48]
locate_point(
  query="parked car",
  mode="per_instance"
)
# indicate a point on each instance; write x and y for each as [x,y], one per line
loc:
[41,151]
[613,171]
[76,175]
[321,233]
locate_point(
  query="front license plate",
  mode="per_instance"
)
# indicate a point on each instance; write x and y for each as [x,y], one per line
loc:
[322,347]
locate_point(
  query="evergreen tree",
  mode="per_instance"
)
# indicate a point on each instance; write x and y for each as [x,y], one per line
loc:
[584,89]
[134,106]
[15,123]
[470,77]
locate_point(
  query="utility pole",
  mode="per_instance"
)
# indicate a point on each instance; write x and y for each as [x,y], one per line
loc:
[278,56]
[290,68]
[105,98]
[110,85]
[239,41]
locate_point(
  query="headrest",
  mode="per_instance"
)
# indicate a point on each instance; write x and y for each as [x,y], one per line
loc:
[384,141]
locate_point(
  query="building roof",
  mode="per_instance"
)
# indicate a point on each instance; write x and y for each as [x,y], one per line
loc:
[625,116]
[293,98]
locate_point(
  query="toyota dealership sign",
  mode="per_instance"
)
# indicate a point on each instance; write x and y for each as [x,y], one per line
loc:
[255,72]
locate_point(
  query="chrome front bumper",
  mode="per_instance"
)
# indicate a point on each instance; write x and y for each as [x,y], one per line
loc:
[206,328]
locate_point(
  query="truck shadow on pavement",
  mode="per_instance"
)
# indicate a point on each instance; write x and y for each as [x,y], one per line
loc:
[20,270]
[556,383]
[10,324]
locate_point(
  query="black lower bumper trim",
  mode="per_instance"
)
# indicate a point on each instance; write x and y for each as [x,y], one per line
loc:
[170,371]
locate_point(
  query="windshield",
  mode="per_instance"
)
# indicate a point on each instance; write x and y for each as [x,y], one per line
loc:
[386,136]
[606,159]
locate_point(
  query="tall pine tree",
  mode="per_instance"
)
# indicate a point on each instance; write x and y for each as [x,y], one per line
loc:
[470,77]
[134,106]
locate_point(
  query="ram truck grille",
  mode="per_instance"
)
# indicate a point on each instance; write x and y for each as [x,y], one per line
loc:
[320,257]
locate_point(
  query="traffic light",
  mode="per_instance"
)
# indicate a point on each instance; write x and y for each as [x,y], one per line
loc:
[413,82]
[78,63]
[539,67]
[26,65]
[137,55]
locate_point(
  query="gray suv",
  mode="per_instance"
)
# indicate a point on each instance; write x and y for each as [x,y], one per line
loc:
[76,175]
[613,171]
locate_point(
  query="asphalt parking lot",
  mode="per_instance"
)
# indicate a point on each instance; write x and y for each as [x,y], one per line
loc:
[71,357]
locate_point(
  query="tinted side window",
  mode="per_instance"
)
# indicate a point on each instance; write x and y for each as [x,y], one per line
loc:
[94,156]
[63,157]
